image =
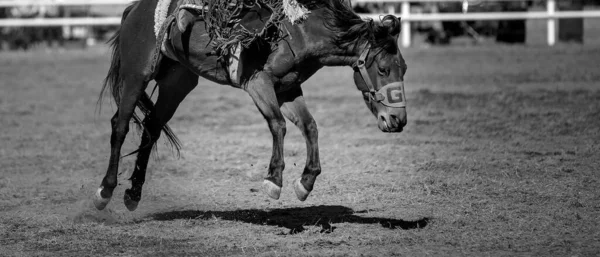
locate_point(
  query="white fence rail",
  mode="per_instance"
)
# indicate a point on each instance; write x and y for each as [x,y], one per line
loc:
[550,14]
[407,17]
[66,21]
[10,3]
[49,22]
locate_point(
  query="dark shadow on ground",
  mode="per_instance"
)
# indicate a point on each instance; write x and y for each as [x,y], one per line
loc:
[294,218]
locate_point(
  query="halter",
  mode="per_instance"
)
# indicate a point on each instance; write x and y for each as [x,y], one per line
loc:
[391,95]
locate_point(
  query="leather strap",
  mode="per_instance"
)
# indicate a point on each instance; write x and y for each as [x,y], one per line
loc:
[361,64]
[391,95]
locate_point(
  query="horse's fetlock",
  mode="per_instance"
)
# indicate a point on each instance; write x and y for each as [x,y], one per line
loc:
[134,194]
[109,183]
[277,165]
[314,170]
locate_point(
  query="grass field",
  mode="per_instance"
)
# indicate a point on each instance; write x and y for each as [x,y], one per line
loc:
[500,157]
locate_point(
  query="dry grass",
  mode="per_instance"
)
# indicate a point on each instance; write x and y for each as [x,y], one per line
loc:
[499,158]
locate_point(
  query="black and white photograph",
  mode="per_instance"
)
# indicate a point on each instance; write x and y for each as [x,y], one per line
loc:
[300,128]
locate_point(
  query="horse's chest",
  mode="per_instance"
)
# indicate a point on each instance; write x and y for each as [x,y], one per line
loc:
[293,77]
[290,80]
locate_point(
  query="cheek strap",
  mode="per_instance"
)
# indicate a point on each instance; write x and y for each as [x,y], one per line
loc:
[360,65]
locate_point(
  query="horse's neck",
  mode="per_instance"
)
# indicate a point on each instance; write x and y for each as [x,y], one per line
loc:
[341,57]
[312,41]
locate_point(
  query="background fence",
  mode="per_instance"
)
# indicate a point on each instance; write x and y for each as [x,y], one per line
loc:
[551,15]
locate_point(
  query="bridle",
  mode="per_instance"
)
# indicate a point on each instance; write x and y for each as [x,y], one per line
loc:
[391,95]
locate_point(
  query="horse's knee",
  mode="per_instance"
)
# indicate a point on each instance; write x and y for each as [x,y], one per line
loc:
[278,126]
[311,127]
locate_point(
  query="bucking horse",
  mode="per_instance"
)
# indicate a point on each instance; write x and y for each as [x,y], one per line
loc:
[267,48]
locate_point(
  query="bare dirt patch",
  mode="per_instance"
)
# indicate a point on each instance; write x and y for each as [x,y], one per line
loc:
[500,157]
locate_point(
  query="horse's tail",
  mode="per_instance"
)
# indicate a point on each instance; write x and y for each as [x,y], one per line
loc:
[146,105]
[114,83]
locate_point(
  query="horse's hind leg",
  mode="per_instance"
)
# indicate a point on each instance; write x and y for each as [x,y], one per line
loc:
[294,108]
[174,86]
[131,91]
[133,56]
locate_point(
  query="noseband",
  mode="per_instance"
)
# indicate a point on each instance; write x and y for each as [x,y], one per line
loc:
[391,95]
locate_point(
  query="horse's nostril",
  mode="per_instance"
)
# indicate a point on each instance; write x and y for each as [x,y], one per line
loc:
[397,121]
[382,119]
[394,120]
[383,124]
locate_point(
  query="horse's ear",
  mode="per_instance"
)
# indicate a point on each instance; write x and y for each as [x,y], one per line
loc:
[392,23]
[185,19]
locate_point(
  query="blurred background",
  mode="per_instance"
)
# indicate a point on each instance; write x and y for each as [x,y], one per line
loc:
[79,23]
[501,149]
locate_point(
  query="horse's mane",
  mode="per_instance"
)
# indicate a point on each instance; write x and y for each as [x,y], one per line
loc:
[351,29]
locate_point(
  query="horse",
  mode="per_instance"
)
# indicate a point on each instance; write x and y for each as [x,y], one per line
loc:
[330,35]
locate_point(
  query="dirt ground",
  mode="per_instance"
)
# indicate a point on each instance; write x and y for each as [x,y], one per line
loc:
[500,157]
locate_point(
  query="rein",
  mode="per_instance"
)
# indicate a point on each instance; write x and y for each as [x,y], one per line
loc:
[391,95]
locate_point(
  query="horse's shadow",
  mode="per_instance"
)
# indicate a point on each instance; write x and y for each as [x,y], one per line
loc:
[294,218]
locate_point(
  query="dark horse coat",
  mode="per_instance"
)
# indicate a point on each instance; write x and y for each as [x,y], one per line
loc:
[332,35]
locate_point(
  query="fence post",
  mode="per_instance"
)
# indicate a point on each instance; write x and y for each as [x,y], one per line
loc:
[67,31]
[405,23]
[551,7]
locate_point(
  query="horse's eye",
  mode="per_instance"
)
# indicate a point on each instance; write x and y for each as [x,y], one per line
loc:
[383,71]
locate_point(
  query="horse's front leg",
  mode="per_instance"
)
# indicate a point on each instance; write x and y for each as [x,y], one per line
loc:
[294,108]
[261,90]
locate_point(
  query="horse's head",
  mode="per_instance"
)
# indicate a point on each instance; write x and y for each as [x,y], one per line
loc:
[379,74]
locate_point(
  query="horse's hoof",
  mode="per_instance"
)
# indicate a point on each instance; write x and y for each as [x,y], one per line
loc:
[301,192]
[99,201]
[271,189]
[129,202]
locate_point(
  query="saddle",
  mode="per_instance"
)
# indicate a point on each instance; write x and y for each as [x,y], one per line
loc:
[232,24]
[251,15]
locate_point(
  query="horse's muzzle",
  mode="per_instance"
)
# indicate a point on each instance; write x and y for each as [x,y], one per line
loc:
[390,122]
